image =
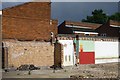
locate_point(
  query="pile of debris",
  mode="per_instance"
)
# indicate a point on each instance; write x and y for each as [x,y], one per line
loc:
[27,67]
[56,67]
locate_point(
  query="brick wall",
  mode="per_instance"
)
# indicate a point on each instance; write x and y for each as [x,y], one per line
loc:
[29,52]
[39,10]
[108,30]
[54,27]
[1,41]
[29,21]
[58,55]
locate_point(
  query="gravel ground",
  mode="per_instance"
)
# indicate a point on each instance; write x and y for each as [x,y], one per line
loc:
[109,70]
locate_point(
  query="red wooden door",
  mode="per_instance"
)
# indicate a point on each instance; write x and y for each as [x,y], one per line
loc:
[86,57]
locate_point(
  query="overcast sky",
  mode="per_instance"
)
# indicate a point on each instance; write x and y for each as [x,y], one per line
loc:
[74,11]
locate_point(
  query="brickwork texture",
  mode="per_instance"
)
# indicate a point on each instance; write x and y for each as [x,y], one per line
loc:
[37,53]
[29,21]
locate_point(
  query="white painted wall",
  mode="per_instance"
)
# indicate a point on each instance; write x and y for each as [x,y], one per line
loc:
[101,61]
[105,52]
[68,50]
[0,12]
[106,49]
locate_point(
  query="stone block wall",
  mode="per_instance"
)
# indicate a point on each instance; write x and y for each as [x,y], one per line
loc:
[37,53]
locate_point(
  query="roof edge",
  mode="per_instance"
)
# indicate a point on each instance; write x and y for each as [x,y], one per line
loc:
[24,3]
[81,22]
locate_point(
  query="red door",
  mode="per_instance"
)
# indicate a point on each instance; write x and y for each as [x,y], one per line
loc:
[86,57]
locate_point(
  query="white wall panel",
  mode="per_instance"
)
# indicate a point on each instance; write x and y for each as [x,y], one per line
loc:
[68,50]
[106,49]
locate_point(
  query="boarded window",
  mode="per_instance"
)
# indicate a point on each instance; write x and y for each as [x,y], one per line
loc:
[69,58]
[66,58]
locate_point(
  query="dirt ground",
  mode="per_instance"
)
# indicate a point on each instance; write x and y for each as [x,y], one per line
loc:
[109,70]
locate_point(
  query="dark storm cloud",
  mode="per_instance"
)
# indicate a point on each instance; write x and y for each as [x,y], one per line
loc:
[76,11]
[0,6]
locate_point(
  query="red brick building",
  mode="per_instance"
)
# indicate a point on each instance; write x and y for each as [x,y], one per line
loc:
[79,28]
[109,29]
[28,21]
[24,28]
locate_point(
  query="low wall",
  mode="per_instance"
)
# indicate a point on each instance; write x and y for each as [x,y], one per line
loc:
[105,49]
[29,52]
[101,61]
[58,55]
[106,52]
